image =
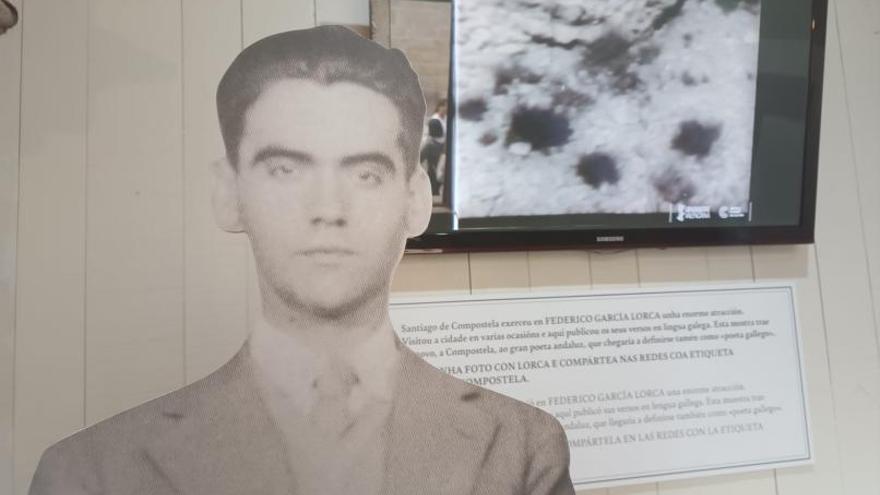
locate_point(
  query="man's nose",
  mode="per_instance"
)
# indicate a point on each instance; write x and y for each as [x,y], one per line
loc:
[330,200]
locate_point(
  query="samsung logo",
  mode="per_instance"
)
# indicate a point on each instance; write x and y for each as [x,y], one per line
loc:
[609,238]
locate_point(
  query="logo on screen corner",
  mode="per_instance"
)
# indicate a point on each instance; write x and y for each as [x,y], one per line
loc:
[732,212]
[685,212]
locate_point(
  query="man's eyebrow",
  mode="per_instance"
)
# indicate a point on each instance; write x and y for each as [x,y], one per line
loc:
[278,151]
[380,158]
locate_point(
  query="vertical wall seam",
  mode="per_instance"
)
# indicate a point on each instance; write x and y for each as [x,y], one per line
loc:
[470,274]
[529,269]
[88,133]
[183,291]
[638,268]
[708,264]
[14,284]
[590,269]
[752,260]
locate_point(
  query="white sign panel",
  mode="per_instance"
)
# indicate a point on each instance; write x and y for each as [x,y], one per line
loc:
[649,385]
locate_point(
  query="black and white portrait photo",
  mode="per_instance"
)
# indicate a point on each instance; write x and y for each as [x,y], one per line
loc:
[322,131]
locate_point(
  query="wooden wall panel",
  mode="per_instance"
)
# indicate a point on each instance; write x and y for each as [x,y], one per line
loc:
[10,108]
[859,40]
[347,12]
[423,274]
[216,262]
[662,267]
[51,237]
[730,264]
[756,483]
[643,489]
[496,272]
[134,264]
[846,286]
[614,269]
[566,270]
[260,18]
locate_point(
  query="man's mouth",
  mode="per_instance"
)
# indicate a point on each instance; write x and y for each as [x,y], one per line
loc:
[326,254]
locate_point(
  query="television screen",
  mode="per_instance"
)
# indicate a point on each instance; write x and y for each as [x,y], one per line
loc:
[634,122]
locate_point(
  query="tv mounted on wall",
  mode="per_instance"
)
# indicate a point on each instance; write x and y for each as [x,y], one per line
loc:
[587,123]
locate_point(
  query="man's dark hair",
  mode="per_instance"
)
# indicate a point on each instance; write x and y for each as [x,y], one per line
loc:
[325,55]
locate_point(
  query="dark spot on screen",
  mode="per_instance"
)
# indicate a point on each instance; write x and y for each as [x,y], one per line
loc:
[687,79]
[472,109]
[695,138]
[541,128]
[607,49]
[553,42]
[667,14]
[598,168]
[673,188]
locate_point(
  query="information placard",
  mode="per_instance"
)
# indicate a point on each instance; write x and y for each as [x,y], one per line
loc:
[649,384]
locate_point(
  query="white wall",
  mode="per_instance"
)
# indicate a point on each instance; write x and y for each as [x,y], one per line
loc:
[115,287]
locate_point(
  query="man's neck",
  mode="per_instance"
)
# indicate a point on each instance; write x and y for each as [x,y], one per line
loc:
[292,349]
[330,334]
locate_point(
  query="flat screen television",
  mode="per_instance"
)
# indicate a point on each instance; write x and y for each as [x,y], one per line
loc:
[592,123]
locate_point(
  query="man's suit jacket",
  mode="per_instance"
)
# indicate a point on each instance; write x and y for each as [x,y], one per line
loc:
[216,437]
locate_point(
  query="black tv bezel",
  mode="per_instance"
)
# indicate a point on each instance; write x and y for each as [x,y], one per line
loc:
[583,238]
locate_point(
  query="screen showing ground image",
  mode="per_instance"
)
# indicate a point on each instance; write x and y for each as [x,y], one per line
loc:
[574,107]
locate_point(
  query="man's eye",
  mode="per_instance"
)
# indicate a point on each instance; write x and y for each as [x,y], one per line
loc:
[280,168]
[368,174]
[277,170]
[369,177]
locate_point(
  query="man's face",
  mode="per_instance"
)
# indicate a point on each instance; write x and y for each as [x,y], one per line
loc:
[323,193]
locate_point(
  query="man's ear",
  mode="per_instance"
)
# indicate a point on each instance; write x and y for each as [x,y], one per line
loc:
[420,202]
[227,212]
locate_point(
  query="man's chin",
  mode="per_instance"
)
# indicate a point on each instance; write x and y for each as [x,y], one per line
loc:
[331,306]
[331,310]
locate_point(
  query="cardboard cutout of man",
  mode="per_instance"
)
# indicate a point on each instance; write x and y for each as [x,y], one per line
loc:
[322,131]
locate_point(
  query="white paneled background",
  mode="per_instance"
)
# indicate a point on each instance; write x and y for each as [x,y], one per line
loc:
[115,286]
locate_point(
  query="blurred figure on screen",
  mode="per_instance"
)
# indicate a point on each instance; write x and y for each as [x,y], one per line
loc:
[434,148]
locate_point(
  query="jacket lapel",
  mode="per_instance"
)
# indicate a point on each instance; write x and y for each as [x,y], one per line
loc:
[222,440]
[438,440]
